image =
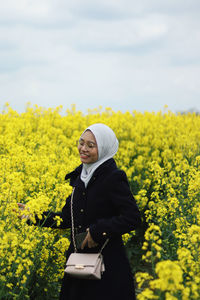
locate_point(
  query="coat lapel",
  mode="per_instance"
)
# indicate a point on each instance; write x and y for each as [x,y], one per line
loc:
[76,181]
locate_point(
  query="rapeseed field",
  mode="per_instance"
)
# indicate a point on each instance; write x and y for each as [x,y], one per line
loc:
[160,153]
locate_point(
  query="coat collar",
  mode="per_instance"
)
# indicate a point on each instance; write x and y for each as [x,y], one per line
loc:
[74,176]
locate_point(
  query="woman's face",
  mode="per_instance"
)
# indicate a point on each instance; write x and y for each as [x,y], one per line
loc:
[87,148]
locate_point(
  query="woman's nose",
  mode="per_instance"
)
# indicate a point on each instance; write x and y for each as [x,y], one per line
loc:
[84,147]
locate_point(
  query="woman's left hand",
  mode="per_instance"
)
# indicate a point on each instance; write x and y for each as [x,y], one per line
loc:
[88,241]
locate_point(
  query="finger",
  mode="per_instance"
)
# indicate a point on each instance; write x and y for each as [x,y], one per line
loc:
[84,242]
[24,217]
[91,243]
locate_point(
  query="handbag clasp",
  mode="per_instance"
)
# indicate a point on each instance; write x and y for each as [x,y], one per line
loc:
[79,267]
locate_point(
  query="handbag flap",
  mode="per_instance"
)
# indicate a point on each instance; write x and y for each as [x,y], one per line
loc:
[83,259]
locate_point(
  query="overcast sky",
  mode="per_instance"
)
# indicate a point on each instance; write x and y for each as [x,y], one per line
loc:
[124,54]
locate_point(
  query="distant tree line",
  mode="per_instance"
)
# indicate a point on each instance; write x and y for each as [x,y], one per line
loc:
[190,111]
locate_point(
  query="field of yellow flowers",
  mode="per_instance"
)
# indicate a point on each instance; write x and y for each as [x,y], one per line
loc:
[160,153]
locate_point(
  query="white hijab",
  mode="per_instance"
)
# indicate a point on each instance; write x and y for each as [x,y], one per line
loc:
[107,145]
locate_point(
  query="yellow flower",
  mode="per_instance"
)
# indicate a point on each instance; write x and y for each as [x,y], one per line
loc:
[170,276]
[159,153]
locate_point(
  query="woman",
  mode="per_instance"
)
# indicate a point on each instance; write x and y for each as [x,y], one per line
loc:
[104,207]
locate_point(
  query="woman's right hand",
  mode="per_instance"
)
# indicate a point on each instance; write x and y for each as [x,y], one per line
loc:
[22,207]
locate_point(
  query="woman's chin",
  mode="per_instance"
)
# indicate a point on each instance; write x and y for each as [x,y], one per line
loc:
[84,160]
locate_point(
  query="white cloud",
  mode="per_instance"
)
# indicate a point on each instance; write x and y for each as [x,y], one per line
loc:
[117,35]
[120,53]
[12,10]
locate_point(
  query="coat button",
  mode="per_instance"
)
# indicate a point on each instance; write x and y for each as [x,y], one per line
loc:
[80,226]
[82,210]
[83,193]
[104,233]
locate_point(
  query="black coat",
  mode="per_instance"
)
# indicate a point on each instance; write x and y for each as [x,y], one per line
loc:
[108,208]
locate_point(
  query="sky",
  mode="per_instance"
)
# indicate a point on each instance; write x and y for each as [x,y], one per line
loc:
[124,54]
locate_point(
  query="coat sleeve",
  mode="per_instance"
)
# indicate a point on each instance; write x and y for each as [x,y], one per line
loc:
[49,218]
[128,215]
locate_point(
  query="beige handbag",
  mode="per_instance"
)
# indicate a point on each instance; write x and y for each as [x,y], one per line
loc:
[84,265]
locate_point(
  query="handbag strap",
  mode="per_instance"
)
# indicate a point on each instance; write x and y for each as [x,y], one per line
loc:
[73,231]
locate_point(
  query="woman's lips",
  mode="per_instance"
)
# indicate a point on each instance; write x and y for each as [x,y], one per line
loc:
[83,156]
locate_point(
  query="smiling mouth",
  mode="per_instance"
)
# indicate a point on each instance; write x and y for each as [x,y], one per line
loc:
[84,156]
